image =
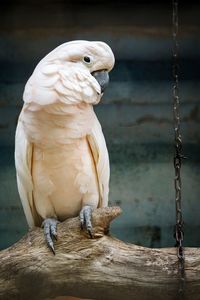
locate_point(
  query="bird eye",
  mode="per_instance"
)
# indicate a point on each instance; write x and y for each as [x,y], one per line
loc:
[86,59]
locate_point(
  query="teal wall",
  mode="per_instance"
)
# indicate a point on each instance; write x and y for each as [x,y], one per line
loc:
[135,113]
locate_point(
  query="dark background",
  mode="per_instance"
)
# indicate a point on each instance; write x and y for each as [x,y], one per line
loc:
[136,112]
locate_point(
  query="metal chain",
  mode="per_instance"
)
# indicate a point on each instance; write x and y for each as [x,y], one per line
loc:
[177,153]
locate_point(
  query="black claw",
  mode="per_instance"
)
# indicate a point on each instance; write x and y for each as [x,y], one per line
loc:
[50,232]
[90,233]
[85,219]
[51,246]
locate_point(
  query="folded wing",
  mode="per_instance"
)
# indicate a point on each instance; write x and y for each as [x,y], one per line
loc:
[100,154]
[23,163]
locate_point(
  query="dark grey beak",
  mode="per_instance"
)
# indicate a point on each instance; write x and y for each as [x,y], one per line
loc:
[102,77]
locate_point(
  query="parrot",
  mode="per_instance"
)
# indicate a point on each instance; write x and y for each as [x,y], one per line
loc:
[61,157]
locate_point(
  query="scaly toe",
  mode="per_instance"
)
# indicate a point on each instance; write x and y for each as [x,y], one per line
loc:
[86,219]
[50,230]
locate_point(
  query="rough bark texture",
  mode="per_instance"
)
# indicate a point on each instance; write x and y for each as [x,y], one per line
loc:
[100,268]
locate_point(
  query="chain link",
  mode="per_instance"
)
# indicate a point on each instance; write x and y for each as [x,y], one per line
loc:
[177,153]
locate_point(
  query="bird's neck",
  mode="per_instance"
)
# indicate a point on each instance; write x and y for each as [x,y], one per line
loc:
[57,124]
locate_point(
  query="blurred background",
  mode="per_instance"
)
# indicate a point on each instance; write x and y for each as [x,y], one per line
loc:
[135,113]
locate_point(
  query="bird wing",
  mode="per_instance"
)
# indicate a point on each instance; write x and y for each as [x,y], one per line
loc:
[100,154]
[23,163]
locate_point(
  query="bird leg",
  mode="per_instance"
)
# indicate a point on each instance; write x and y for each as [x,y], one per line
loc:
[86,219]
[50,232]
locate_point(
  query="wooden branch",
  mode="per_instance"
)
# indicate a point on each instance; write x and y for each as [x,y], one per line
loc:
[100,268]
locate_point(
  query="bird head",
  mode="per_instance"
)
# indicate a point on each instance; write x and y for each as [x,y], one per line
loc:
[73,72]
[96,57]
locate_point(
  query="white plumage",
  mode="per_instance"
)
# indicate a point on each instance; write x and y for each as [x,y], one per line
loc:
[61,156]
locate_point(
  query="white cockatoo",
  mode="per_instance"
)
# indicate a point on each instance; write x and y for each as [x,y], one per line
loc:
[61,157]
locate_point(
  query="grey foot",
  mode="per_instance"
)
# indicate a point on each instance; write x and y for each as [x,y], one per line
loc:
[86,219]
[50,232]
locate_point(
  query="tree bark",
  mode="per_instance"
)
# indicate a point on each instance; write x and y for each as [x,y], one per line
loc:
[98,268]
